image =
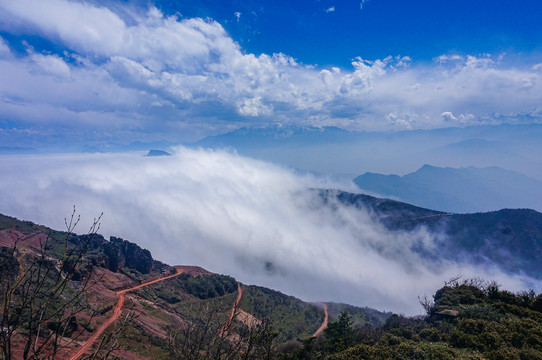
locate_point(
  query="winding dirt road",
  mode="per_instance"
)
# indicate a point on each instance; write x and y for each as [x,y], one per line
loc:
[117,311]
[324,324]
[234,307]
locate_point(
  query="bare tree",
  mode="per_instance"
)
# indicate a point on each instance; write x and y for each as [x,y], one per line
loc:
[109,343]
[427,303]
[210,336]
[39,299]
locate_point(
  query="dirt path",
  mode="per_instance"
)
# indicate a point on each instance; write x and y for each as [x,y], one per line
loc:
[234,307]
[116,313]
[324,324]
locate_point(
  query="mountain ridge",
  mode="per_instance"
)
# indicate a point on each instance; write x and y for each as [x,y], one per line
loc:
[335,150]
[459,190]
[118,264]
[511,239]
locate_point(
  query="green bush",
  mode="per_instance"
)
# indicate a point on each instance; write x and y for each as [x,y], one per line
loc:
[431,335]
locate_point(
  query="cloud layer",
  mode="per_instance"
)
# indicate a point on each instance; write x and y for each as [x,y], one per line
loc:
[133,73]
[233,215]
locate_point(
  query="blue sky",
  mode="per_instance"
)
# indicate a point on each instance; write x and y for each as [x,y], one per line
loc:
[121,71]
[335,32]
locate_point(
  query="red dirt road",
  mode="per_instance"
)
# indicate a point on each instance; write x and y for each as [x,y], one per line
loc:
[117,311]
[237,301]
[234,307]
[324,324]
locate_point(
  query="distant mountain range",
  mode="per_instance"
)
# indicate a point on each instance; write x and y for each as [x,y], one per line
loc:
[333,150]
[336,151]
[458,190]
[70,147]
[275,134]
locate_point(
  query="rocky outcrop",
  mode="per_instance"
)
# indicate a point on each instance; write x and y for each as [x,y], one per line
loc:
[122,253]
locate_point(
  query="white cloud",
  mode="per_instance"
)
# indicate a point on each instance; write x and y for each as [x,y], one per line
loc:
[362,3]
[127,65]
[253,107]
[237,15]
[154,40]
[232,215]
[448,58]
[330,9]
[448,116]
[83,26]
[4,49]
[51,64]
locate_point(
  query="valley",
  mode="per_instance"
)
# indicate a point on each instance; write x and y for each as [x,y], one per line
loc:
[134,301]
[163,302]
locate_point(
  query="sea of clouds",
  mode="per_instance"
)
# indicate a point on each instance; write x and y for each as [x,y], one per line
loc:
[258,222]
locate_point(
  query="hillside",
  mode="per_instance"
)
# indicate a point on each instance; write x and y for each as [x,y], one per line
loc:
[508,238]
[193,307]
[186,312]
[458,190]
[465,320]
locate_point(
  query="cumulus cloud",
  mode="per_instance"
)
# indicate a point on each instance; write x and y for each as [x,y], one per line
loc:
[51,64]
[448,58]
[449,117]
[253,107]
[258,222]
[183,78]
[4,49]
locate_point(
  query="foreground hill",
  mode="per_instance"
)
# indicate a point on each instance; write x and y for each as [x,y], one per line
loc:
[458,190]
[465,320]
[59,289]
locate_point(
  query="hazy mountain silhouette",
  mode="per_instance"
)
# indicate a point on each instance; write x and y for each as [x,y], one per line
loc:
[458,190]
[333,150]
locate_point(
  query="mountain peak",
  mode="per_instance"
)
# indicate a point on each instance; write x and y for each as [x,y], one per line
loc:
[429,167]
[458,190]
[154,152]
